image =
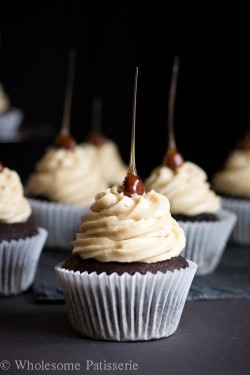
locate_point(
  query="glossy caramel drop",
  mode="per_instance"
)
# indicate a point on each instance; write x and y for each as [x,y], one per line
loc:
[132,184]
[173,159]
[244,143]
[1,167]
[96,138]
[64,140]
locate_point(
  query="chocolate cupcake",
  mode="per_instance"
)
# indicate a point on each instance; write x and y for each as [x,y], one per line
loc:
[126,280]
[197,209]
[232,183]
[65,180]
[112,167]
[62,188]
[21,241]
[193,203]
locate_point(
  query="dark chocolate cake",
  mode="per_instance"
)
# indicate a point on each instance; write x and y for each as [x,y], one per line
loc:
[17,231]
[76,263]
[195,218]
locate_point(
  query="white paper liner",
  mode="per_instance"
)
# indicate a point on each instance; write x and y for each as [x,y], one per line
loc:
[62,221]
[206,241]
[241,231]
[10,123]
[127,307]
[18,262]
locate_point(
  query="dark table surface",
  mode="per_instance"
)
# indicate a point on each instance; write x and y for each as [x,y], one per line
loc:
[213,336]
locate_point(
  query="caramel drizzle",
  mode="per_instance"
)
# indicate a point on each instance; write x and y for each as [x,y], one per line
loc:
[64,139]
[95,136]
[244,142]
[132,183]
[173,158]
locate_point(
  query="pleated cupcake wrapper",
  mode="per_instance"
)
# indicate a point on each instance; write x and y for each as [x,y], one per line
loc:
[10,123]
[206,241]
[127,307]
[18,262]
[241,231]
[62,221]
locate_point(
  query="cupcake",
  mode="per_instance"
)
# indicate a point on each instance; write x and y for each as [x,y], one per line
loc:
[21,242]
[112,167]
[10,118]
[197,209]
[233,184]
[193,203]
[62,187]
[126,279]
[111,164]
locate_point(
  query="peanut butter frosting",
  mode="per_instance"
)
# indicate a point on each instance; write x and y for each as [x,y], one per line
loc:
[69,176]
[14,208]
[129,229]
[186,188]
[4,100]
[234,179]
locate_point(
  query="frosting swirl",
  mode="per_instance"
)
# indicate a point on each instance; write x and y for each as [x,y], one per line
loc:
[186,188]
[4,100]
[234,179]
[67,175]
[14,208]
[129,229]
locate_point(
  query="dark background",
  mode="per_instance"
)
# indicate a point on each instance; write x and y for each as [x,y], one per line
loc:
[111,39]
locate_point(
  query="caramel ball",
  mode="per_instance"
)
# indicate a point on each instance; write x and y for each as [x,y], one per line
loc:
[96,138]
[173,159]
[244,143]
[65,141]
[132,184]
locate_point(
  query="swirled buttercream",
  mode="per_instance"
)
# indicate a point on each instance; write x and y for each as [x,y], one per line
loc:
[14,207]
[187,189]
[69,176]
[129,229]
[4,100]
[234,178]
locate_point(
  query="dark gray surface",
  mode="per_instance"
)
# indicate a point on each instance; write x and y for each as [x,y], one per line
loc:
[231,280]
[213,337]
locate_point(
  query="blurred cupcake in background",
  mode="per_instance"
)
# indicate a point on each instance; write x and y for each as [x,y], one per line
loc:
[233,184]
[10,118]
[62,188]
[197,209]
[65,180]
[21,241]
[109,159]
[193,203]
